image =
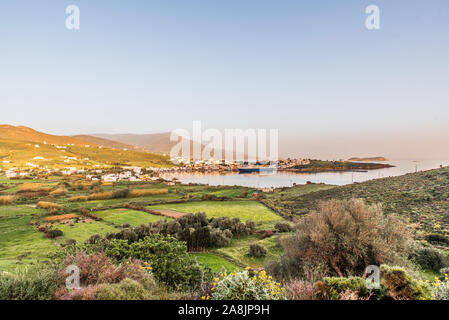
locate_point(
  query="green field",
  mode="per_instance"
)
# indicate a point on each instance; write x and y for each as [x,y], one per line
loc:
[82,231]
[133,217]
[215,262]
[244,210]
[238,251]
[21,244]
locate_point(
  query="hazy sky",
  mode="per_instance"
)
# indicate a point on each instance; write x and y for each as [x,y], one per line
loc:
[308,68]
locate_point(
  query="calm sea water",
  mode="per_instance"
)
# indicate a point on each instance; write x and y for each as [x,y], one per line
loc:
[287,179]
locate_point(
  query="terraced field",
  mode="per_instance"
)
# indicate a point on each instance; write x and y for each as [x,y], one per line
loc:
[244,210]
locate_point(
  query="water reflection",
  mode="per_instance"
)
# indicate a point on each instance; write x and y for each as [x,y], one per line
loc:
[287,179]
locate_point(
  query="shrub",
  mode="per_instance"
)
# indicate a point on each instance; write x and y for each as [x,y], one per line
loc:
[49,206]
[38,284]
[169,258]
[245,286]
[299,290]
[58,192]
[127,289]
[431,259]
[436,238]
[135,193]
[101,196]
[220,238]
[444,272]
[347,236]
[401,286]
[79,199]
[5,200]
[53,233]
[119,194]
[440,289]
[257,250]
[283,227]
[331,288]
[32,187]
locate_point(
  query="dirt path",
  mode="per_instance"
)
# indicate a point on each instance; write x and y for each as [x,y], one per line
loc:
[168,213]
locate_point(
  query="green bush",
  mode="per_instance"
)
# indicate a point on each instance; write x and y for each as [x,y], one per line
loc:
[127,289]
[169,258]
[431,259]
[331,288]
[39,284]
[283,227]
[257,250]
[401,286]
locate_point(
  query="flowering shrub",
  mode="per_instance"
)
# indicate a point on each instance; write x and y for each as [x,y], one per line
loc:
[245,285]
[299,290]
[440,288]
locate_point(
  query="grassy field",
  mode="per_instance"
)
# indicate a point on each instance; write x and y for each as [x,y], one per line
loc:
[133,217]
[215,262]
[238,251]
[82,231]
[245,210]
[21,244]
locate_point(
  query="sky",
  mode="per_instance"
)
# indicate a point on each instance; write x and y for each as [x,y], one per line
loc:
[311,69]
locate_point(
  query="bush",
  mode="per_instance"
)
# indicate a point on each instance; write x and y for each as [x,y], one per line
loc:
[299,290]
[53,233]
[401,286]
[39,284]
[135,193]
[49,206]
[119,194]
[283,227]
[169,258]
[79,199]
[58,192]
[440,290]
[32,187]
[444,272]
[127,289]
[437,239]
[5,200]
[431,259]
[332,288]
[257,250]
[346,236]
[245,286]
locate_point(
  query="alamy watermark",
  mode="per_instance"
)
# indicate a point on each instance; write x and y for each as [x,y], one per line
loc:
[372,21]
[229,146]
[72,21]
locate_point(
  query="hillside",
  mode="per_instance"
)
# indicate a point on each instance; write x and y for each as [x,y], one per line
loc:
[21,133]
[15,153]
[155,142]
[368,159]
[104,142]
[423,197]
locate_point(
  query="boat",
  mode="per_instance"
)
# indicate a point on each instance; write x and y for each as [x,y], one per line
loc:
[256,169]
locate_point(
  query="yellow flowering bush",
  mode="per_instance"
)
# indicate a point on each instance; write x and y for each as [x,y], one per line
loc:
[440,288]
[245,285]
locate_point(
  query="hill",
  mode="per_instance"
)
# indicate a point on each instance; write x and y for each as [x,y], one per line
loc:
[368,159]
[21,133]
[155,142]
[15,153]
[104,142]
[422,197]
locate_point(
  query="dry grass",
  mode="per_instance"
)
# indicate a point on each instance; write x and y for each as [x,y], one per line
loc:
[78,199]
[58,192]
[5,200]
[49,206]
[32,187]
[101,196]
[145,192]
[62,217]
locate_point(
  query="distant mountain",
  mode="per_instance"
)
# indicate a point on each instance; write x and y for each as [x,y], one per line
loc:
[368,159]
[155,142]
[105,142]
[21,133]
